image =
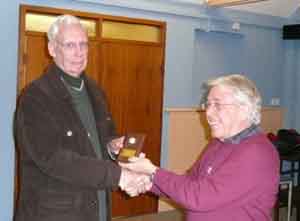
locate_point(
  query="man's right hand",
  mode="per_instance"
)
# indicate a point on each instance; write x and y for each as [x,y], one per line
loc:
[134,183]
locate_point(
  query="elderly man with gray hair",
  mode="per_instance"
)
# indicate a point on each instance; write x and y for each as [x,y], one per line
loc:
[66,137]
[237,177]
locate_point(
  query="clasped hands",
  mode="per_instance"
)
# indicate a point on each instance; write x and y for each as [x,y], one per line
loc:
[136,175]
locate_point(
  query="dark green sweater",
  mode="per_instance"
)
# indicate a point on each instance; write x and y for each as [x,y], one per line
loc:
[84,109]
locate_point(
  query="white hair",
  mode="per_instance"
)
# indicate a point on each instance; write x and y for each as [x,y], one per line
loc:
[244,92]
[60,21]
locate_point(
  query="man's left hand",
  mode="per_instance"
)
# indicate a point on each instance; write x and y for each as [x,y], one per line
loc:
[116,144]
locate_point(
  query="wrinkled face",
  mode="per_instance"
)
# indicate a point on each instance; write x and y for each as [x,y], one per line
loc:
[70,49]
[225,116]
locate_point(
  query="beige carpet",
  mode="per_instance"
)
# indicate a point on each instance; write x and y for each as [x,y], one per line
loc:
[173,215]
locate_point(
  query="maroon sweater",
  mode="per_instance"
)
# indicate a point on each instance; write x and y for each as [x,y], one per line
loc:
[231,182]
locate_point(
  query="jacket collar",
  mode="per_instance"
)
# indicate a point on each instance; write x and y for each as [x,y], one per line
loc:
[53,76]
[55,87]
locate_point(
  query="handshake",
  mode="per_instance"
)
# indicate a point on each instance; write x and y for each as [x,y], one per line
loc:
[136,175]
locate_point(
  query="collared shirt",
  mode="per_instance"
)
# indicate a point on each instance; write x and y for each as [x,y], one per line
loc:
[236,139]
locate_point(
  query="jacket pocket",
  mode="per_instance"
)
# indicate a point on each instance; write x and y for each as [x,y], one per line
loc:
[51,200]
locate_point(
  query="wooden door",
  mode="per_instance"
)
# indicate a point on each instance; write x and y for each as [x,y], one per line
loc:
[132,76]
[130,72]
[36,58]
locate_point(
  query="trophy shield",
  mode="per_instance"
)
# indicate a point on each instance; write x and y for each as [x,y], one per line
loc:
[133,144]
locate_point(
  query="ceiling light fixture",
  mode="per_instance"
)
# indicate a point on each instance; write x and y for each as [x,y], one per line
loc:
[223,3]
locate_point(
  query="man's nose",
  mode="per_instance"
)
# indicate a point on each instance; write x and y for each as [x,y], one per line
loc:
[79,50]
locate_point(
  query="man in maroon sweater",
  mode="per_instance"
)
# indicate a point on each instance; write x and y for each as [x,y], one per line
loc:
[237,177]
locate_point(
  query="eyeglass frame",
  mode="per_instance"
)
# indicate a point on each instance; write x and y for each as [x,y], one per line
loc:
[71,46]
[217,105]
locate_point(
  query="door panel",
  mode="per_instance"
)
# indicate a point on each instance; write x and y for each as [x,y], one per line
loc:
[131,75]
[94,60]
[36,58]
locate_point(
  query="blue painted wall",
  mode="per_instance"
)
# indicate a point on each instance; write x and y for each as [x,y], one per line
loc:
[254,51]
[200,44]
[8,62]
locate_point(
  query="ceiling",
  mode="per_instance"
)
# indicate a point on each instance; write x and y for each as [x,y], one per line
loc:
[282,8]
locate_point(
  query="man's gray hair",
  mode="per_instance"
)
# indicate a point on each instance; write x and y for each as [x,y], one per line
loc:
[244,92]
[61,21]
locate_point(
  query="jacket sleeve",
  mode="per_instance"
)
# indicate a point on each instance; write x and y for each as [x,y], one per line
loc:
[155,189]
[241,178]
[40,142]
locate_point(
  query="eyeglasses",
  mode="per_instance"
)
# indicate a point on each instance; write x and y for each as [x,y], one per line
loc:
[216,105]
[71,46]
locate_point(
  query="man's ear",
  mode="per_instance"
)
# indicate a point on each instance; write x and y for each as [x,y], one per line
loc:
[51,48]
